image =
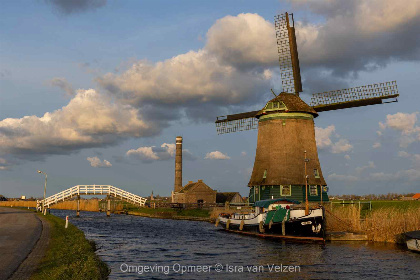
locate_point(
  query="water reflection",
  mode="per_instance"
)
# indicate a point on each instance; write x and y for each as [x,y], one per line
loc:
[139,242]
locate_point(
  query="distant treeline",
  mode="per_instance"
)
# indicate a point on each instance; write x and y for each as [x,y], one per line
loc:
[388,196]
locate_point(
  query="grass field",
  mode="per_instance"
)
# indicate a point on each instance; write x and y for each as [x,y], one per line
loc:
[70,255]
[400,204]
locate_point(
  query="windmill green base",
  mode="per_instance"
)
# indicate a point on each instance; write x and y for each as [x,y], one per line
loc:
[257,193]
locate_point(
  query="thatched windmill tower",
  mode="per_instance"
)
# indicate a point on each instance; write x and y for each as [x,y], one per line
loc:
[286,161]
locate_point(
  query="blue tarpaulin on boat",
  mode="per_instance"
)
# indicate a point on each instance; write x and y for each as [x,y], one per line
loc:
[267,202]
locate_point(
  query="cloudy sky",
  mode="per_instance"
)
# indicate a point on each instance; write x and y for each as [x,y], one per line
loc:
[95,92]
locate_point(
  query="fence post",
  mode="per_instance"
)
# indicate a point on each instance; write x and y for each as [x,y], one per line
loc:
[108,208]
[78,206]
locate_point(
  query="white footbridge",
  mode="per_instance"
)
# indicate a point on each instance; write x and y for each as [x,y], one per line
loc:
[93,190]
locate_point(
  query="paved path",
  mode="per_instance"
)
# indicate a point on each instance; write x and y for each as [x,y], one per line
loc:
[19,232]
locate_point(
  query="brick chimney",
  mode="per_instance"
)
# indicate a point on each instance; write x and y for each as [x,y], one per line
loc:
[178,164]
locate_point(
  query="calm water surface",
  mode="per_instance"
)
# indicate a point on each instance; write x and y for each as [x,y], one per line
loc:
[130,245]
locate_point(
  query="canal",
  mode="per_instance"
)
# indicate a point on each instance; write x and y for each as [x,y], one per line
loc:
[144,248]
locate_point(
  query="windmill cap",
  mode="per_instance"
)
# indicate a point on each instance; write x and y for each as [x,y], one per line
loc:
[292,102]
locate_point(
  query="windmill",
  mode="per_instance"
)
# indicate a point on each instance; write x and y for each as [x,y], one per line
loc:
[286,130]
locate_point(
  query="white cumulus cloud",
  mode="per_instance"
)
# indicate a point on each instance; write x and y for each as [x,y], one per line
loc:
[370,165]
[4,164]
[403,154]
[391,27]
[326,138]
[401,121]
[216,155]
[376,145]
[339,177]
[323,136]
[341,146]
[243,41]
[164,152]
[88,120]
[410,175]
[96,162]
[406,124]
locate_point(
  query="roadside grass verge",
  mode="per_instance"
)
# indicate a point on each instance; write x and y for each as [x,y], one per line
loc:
[69,255]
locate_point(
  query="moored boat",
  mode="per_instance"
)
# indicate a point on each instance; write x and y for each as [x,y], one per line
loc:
[277,216]
[413,240]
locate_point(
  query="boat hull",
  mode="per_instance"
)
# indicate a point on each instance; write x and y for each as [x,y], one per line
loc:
[311,225]
[413,240]
[413,245]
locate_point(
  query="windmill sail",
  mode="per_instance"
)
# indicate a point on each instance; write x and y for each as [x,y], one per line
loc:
[354,97]
[237,122]
[288,54]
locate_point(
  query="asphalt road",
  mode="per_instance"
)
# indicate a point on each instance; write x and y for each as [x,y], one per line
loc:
[19,232]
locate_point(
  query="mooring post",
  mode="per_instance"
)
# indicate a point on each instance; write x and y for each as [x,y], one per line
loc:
[108,208]
[283,227]
[78,206]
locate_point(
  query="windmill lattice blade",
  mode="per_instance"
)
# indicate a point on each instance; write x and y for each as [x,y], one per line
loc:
[354,97]
[288,57]
[237,122]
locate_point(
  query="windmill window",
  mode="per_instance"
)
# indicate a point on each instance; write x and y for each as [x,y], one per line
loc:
[313,190]
[282,106]
[316,173]
[286,190]
[278,105]
[265,174]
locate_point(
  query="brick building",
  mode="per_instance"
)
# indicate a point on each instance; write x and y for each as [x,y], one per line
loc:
[195,192]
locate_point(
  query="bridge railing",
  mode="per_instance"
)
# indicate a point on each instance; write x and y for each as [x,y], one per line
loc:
[135,199]
[94,190]
[61,196]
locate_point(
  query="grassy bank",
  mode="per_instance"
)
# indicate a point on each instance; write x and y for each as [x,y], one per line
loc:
[70,255]
[170,213]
